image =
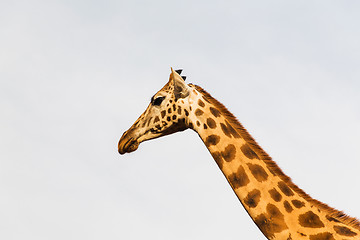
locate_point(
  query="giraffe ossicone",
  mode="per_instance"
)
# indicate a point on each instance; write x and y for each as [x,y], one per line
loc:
[278,207]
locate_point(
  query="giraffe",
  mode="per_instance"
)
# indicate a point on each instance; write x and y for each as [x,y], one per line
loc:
[279,208]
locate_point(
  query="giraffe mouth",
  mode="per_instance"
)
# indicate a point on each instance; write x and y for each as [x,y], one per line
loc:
[127,145]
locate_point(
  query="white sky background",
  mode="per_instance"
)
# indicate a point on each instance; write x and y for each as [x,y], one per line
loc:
[75,74]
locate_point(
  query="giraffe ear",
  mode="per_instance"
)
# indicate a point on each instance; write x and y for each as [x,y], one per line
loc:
[181,89]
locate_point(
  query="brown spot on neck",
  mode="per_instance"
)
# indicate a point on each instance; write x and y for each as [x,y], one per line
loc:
[287,206]
[238,179]
[331,219]
[271,222]
[211,123]
[212,140]
[229,153]
[297,203]
[198,112]
[322,236]
[258,172]
[310,220]
[253,198]
[248,152]
[205,98]
[215,112]
[342,230]
[275,195]
[285,189]
[225,130]
[201,103]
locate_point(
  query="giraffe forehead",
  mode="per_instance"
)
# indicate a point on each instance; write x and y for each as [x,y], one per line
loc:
[163,93]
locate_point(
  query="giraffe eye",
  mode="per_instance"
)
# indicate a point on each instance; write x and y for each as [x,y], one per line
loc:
[157,101]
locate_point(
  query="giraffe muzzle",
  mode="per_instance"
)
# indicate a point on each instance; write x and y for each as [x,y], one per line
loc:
[127,144]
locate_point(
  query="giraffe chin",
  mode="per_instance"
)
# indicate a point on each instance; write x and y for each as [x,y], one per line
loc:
[133,147]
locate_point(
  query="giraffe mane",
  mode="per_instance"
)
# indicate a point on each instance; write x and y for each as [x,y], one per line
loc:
[272,166]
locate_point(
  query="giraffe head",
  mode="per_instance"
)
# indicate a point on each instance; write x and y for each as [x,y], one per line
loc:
[166,114]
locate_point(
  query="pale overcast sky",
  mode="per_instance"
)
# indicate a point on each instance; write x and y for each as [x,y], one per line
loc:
[74,75]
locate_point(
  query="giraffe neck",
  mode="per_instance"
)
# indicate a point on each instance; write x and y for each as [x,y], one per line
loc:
[278,207]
